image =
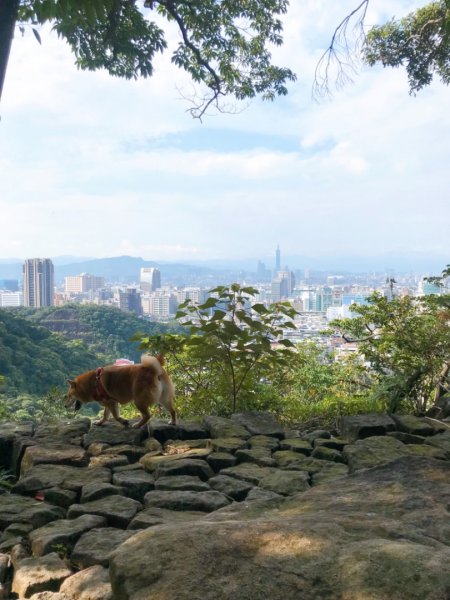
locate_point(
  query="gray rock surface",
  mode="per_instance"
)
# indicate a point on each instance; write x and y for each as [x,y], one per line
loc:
[230,486]
[182,483]
[118,510]
[95,546]
[286,483]
[219,427]
[21,509]
[355,427]
[259,423]
[89,584]
[136,482]
[42,477]
[61,536]
[184,500]
[35,575]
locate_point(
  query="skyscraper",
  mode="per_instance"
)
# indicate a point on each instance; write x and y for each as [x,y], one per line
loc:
[277,259]
[150,279]
[38,282]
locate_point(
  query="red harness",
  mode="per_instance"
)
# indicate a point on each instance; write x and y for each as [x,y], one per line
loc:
[99,393]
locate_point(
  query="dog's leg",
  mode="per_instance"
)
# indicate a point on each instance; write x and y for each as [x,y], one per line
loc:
[114,408]
[145,417]
[106,413]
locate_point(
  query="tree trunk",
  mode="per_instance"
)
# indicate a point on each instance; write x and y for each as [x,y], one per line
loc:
[8,17]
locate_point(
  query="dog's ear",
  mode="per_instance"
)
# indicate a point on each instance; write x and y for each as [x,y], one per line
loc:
[71,382]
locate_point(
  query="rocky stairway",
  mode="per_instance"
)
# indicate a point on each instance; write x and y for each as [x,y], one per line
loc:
[226,508]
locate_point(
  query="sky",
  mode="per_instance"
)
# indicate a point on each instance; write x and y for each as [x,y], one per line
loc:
[95,166]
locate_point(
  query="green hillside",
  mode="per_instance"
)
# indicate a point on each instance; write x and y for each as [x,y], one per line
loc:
[40,348]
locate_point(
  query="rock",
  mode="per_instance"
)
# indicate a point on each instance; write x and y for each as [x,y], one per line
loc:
[258,494]
[152,445]
[296,445]
[19,509]
[60,497]
[18,553]
[9,433]
[97,448]
[317,434]
[324,453]
[219,427]
[133,467]
[221,460]
[438,426]
[354,427]
[230,486]
[95,546]
[42,477]
[264,441]
[180,446]
[89,584]
[248,472]
[95,491]
[182,482]
[35,575]
[108,461]
[49,596]
[334,443]
[258,456]
[162,431]
[406,438]
[192,431]
[329,472]
[373,451]
[60,536]
[62,431]
[114,434]
[259,423]
[18,529]
[284,458]
[152,463]
[132,453]
[230,444]
[441,440]
[150,517]
[378,534]
[191,501]
[285,483]
[308,464]
[5,563]
[56,454]
[427,450]
[118,510]
[187,466]
[136,482]
[413,425]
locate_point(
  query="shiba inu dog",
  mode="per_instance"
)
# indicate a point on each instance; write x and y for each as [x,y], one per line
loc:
[145,384]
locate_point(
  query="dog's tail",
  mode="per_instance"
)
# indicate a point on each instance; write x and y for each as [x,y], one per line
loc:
[155,361]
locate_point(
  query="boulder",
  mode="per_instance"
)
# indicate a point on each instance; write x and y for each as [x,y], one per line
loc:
[316,434]
[95,546]
[114,434]
[284,458]
[333,442]
[219,427]
[136,482]
[118,510]
[441,440]
[89,584]
[152,516]
[296,445]
[379,534]
[258,494]
[20,509]
[413,425]
[224,444]
[248,472]
[355,427]
[152,463]
[259,423]
[324,453]
[264,441]
[285,483]
[329,472]
[406,438]
[60,497]
[373,451]
[42,477]
[182,482]
[60,536]
[108,461]
[132,453]
[180,446]
[183,500]
[230,486]
[187,466]
[9,433]
[221,460]
[35,575]
[258,456]
[95,491]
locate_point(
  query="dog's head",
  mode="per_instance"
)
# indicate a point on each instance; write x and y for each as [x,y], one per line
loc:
[71,400]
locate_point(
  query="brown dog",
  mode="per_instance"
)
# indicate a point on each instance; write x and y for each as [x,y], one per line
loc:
[145,384]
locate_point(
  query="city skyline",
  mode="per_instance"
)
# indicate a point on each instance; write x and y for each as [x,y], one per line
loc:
[102,167]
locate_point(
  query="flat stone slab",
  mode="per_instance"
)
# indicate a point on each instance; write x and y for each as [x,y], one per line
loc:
[219,427]
[35,575]
[258,456]
[118,510]
[186,466]
[286,483]
[136,482]
[296,445]
[132,453]
[441,440]
[184,500]
[413,425]
[221,460]
[152,516]
[95,491]
[89,584]
[21,509]
[182,482]
[227,444]
[57,454]
[316,434]
[355,427]
[64,431]
[248,472]
[231,487]
[333,442]
[373,451]
[95,546]
[63,533]
[180,446]
[259,423]
[41,477]
[151,463]
[264,441]
[284,458]
[60,497]
[324,453]
[114,434]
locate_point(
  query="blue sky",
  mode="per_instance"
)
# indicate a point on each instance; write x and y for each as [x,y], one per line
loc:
[95,166]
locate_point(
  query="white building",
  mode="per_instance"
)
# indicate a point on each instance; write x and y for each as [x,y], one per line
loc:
[11,299]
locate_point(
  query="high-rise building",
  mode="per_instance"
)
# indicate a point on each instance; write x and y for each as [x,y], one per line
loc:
[130,300]
[282,285]
[77,284]
[38,282]
[150,279]
[277,259]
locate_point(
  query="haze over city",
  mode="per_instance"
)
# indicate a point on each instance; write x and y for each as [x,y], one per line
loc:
[95,166]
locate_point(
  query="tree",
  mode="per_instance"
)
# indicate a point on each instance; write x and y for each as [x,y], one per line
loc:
[223,43]
[406,345]
[420,42]
[234,344]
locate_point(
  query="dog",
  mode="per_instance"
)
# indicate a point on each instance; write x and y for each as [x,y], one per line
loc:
[145,384]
